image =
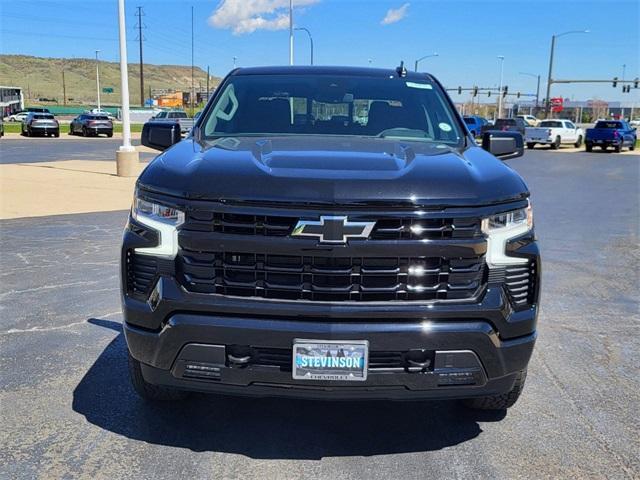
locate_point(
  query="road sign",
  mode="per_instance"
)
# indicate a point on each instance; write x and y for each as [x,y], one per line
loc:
[556,104]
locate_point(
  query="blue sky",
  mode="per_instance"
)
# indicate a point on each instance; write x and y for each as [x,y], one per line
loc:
[468,35]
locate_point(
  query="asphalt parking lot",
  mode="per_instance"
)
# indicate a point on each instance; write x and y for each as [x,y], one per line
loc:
[42,149]
[68,411]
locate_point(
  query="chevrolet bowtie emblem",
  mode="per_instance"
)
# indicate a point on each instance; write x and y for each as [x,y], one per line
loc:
[333,229]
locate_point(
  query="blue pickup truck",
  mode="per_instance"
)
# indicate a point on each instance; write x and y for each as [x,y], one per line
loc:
[611,133]
[475,123]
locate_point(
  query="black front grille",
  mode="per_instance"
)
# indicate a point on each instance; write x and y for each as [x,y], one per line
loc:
[395,228]
[321,278]
[141,270]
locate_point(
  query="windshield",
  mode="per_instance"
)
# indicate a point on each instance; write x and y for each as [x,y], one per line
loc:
[469,120]
[608,125]
[43,117]
[551,124]
[384,107]
[505,121]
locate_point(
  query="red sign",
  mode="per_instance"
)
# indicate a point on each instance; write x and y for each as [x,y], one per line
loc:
[556,104]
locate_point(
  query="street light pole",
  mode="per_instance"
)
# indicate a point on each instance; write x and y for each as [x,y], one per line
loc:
[126,156]
[501,58]
[422,58]
[290,32]
[537,86]
[547,101]
[98,78]
[310,40]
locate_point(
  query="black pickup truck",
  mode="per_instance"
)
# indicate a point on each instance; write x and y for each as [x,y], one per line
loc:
[330,233]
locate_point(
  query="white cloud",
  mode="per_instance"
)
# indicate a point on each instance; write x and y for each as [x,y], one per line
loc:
[247,16]
[395,14]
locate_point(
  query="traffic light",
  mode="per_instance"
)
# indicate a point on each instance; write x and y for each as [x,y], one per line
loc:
[518,94]
[475,90]
[626,88]
[615,82]
[489,93]
[635,82]
[459,90]
[505,89]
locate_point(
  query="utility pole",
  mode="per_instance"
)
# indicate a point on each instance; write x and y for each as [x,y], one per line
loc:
[290,32]
[208,76]
[310,39]
[98,78]
[140,14]
[547,100]
[64,87]
[501,58]
[422,58]
[192,87]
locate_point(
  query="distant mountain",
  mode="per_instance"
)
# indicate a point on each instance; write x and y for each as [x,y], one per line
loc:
[42,78]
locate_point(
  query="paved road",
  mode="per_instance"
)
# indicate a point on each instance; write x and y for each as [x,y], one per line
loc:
[43,149]
[68,410]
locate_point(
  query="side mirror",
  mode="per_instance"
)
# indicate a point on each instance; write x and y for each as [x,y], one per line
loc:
[504,145]
[160,136]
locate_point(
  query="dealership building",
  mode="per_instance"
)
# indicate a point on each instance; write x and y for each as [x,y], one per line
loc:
[11,100]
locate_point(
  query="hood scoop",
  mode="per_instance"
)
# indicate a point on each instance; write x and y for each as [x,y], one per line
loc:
[333,160]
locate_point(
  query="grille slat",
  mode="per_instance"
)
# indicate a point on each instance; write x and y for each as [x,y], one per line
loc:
[520,284]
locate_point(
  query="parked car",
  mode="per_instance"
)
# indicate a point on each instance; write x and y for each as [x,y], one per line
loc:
[506,125]
[635,122]
[611,133]
[530,120]
[175,116]
[17,117]
[40,124]
[269,256]
[38,110]
[554,133]
[99,111]
[475,123]
[91,124]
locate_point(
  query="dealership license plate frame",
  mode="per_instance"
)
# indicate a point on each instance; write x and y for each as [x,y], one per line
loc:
[325,374]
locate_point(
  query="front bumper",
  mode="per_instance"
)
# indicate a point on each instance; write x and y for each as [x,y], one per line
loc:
[477,348]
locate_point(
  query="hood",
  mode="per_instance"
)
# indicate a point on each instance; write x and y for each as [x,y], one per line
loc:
[332,170]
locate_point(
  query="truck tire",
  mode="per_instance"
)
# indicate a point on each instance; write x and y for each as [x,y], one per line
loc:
[579,142]
[618,148]
[632,147]
[84,132]
[588,147]
[530,145]
[499,402]
[148,391]
[556,143]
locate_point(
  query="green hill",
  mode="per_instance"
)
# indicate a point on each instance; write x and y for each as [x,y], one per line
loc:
[42,78]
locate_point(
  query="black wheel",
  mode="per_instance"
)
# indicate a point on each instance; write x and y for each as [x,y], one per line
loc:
[499,402]
[579,142]
[530,145]
[71,129]
[25,132]
[588,147]
[148,391]
[556,144]
[618,148]
[632,147]
[84,132]
[109,134]
[57,134]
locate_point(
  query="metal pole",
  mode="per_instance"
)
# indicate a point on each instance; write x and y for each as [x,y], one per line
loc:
[208,76]
[192,87]
[64,89]
[98,78]
[547,102]
[501,57]
[537,92]
[290,32]
[124,81]
[141,64]
[423,58]
[310,39]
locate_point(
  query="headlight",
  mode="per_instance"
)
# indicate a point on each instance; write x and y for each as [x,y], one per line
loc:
[163,219]
[156,211]
[502,227]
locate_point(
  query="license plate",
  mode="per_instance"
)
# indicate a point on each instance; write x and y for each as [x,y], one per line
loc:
[337,360]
